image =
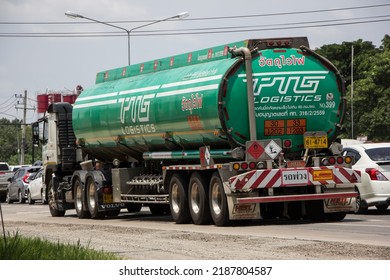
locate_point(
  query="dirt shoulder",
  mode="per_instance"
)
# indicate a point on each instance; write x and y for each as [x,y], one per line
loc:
[145,244]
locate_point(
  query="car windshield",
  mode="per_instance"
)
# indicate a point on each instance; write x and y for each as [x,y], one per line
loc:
[379,154]
[4,167]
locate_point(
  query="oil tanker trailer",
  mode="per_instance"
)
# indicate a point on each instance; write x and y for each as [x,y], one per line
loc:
[239,131]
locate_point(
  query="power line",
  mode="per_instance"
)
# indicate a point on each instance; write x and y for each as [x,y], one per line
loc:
[9,99]
[208,18]
[198,31]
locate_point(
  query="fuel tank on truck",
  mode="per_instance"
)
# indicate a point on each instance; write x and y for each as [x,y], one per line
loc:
[200,98]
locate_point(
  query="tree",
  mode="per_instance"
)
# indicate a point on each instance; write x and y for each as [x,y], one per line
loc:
[10,139]
[371,92]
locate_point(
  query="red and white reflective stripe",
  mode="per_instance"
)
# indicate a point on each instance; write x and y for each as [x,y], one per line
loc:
[255,179]
[191,167]
[301,197]
[272,178]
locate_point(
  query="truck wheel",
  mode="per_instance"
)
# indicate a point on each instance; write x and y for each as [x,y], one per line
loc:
[79,202]
[52,202]
[218,202]
[335,217]
[178,199]
[92,200]
[198,201]
[271,211]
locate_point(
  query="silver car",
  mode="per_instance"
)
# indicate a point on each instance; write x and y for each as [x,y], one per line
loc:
[17,187]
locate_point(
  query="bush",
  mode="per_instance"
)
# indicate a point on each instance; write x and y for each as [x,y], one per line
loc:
[16,247]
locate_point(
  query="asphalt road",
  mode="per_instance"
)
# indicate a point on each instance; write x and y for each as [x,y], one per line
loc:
[373,228]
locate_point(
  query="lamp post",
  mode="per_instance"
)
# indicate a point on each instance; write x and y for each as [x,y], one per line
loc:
[128,31]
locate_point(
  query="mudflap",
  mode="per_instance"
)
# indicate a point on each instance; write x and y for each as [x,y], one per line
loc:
[335,205]
[242,211]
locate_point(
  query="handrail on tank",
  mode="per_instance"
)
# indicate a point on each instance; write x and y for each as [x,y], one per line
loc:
[247,55]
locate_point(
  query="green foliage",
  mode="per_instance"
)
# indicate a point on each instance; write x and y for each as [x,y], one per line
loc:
[11,139]
[17,247]
[371,85]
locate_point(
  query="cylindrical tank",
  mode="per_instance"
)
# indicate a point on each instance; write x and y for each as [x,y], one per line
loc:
[54,98]
[42,103]
[70,98]
[205,103]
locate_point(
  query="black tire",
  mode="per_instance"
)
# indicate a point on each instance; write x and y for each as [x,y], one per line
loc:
[271,211]
[29,199]
[79,201]
[178,194]
[382,207]
[92,200]
[54,211]
[134,207]
[361,209]
[198,199]
[218,202]
[335,217]
[21,199]
[294,210]
[315,210]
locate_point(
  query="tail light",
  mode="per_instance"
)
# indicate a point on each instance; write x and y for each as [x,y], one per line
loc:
[26,179]
[338,160]
[375,174]
[243,165]
[107,190]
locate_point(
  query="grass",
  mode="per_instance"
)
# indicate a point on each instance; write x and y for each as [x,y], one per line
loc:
[16,247]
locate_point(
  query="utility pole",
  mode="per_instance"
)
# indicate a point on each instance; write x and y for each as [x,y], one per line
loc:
[352,132]
[25,108]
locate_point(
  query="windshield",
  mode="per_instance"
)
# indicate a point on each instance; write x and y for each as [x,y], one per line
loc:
[4,167]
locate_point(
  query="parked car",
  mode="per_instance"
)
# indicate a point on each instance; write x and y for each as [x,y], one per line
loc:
[15,168]
[373,161]
[35,189]
[17,187]
[5,174]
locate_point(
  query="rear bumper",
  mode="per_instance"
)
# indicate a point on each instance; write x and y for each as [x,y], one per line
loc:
[302,197]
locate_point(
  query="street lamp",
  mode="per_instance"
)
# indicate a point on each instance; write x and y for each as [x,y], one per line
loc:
[128,31]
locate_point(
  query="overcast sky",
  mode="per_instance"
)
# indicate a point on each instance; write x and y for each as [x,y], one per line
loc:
[49,62]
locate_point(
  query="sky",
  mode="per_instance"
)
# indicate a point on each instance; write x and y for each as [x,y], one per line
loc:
[42,50]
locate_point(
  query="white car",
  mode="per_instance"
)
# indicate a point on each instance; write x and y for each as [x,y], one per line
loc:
[373,161]
[35,189]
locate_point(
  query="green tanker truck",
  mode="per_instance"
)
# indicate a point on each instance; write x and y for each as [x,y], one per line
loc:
[238,131]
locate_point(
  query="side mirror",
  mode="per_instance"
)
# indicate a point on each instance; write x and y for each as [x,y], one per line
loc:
[35,133]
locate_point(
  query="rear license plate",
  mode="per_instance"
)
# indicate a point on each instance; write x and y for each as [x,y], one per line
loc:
[295,177]
[316,142]
[107,198]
